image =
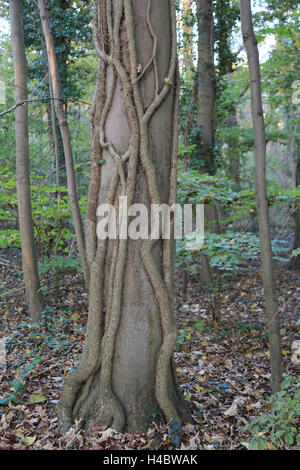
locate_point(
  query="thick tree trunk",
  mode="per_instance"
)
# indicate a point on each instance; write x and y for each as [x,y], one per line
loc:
[127,369]
[273,319]
[66,137]
[31,276]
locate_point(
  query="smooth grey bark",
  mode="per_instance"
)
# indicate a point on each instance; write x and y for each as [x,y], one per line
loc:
[34,297]
[268,275]
[126,373]
[66,137]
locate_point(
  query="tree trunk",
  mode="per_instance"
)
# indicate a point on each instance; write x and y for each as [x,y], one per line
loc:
[206,115]
[66,137]
[295,263]
[127,373]
[54,136]
[60,42]
[233,143]
[273,319]
[31,276]
[207,86]
[60,161]
[56,142]
[190,75]
[226,18]
[188,62]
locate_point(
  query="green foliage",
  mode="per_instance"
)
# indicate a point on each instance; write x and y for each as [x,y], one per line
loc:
[52,220]
[227,14]
[279,427]
[71,26]
[231,248]
[225,252]
[72,35]
[18,385]
[59,264]
[296,252]
[55,332]
[195,188]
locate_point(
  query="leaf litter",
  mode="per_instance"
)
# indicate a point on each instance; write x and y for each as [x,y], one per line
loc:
[223,371]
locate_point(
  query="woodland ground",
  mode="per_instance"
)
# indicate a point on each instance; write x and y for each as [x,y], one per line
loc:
[223,371]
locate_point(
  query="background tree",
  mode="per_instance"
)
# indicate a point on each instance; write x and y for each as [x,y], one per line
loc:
[296,259]
[31,276]
[250,42]
[72,37]
[66,138]
[226,16]
[206,101]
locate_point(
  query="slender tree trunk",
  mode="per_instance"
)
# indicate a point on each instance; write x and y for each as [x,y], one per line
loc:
[206,107]
[189,74]
[59,155]
[273,319]
[66,137]
[61,43]
[60,161]
[127,368]
[54,135]
[189,123]
[295,263]
[187,39]
[226,60]
[207,85]
[233,143]
[31,276]
[56,142]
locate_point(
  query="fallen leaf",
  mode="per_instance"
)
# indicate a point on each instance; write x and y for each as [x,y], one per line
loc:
[37,398]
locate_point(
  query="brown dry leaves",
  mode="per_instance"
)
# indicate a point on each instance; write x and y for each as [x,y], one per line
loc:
[223,372]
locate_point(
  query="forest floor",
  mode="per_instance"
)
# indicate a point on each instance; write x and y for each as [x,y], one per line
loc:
[224,371]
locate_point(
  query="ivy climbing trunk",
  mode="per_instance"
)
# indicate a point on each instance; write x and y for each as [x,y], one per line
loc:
[127,373]
[269,284]
[34,297]
[66,138]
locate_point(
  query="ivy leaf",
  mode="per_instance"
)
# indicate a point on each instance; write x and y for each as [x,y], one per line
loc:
[37,398]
